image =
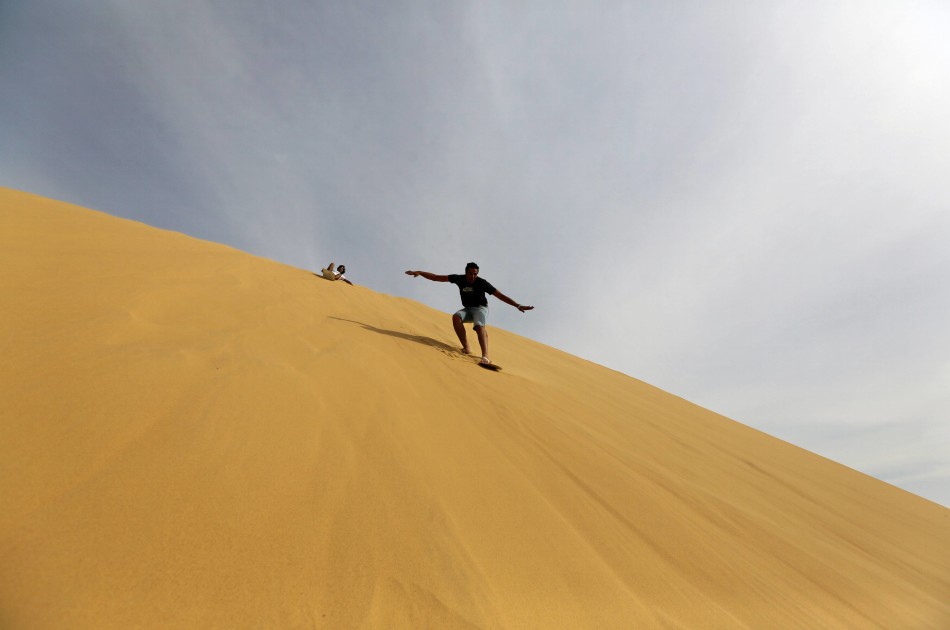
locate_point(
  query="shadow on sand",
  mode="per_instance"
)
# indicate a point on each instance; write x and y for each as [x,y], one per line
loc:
[426,341]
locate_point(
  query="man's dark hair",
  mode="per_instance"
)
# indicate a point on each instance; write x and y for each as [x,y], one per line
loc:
[471,265]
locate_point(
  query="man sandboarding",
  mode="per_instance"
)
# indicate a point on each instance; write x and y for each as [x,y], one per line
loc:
[472,289]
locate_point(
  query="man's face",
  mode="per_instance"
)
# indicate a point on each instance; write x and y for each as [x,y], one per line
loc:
[471,273]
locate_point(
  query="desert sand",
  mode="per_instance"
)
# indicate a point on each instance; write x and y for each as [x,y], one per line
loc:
[194,437]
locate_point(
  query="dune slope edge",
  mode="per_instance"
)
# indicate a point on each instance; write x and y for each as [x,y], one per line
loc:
[191,436]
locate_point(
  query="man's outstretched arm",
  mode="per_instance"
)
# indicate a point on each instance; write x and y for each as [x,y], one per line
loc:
[507,300]
[428,276]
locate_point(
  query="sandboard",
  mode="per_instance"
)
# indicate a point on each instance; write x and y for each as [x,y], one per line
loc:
[494,367]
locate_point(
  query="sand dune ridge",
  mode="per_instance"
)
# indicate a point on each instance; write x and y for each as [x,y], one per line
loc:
[191,436]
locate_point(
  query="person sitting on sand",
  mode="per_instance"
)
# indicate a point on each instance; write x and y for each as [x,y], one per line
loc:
[472,289]
[335,274]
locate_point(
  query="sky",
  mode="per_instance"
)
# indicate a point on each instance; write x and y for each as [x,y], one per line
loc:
[743,203]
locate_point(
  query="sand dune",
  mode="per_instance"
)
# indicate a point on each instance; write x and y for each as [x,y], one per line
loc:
[194,437]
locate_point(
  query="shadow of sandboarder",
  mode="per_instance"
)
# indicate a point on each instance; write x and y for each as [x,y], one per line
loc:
[426,341]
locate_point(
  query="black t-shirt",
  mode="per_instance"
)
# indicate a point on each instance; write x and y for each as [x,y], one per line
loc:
[472,294]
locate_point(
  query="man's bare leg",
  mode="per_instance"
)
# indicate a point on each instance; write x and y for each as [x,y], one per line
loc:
[482,333]
[460,331]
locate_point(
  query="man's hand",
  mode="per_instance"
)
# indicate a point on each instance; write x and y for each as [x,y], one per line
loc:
[523,308]
[428,276]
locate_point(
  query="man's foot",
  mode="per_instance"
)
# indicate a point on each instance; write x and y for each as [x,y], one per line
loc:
[465,350]
[488,365]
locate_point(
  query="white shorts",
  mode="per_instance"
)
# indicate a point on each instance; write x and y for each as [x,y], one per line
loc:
[476,314]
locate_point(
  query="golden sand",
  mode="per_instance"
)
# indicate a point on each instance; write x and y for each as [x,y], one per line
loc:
[194,437]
